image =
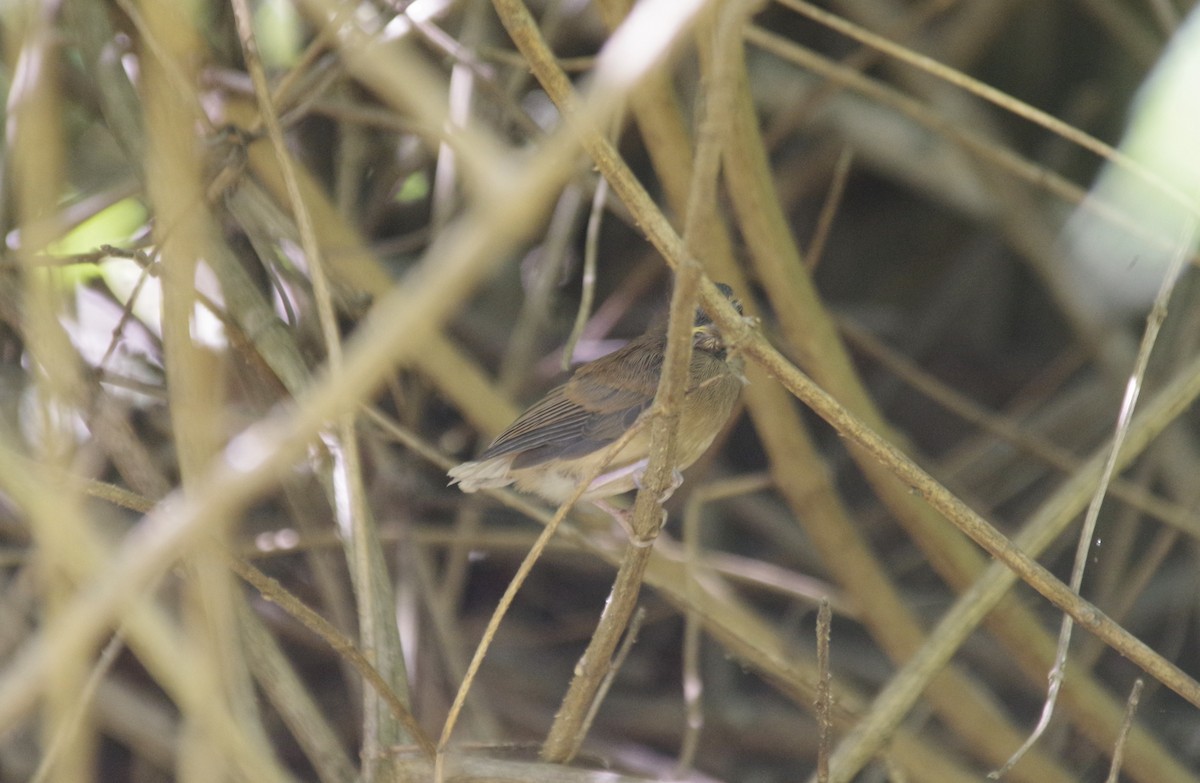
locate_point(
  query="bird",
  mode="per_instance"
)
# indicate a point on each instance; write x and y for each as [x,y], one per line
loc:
[551,448]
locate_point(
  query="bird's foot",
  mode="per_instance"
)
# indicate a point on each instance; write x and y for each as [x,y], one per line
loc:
[624,518]
[668,491]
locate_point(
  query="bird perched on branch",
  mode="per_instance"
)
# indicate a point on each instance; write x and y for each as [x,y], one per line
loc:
[560,439]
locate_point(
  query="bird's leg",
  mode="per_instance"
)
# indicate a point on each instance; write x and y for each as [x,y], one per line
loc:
[622,516]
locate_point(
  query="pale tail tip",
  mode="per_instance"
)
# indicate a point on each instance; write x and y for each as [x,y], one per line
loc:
[488,474]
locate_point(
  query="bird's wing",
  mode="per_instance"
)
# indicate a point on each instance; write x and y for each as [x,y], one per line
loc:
[585,414]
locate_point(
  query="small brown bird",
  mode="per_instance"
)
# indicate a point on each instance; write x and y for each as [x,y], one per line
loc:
[558,441]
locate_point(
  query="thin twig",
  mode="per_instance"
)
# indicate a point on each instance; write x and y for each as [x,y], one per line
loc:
[963,517]
[752,639]
[962,564]
[1118,754]
[824,705]
[253,461]
[1004,428]
[995,96]
[372,585]
[514,584]
[618,660]
[587,293]
[694,565]
[66,732]
[956,625]
[693,682]
[276,593]
[1133,388]
[833,200]
[1001,157]
[278,679]
[566,734]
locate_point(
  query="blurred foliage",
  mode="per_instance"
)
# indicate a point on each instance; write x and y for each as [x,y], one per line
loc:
[971,330]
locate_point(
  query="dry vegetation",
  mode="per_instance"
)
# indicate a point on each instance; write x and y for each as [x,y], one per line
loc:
[227,551]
